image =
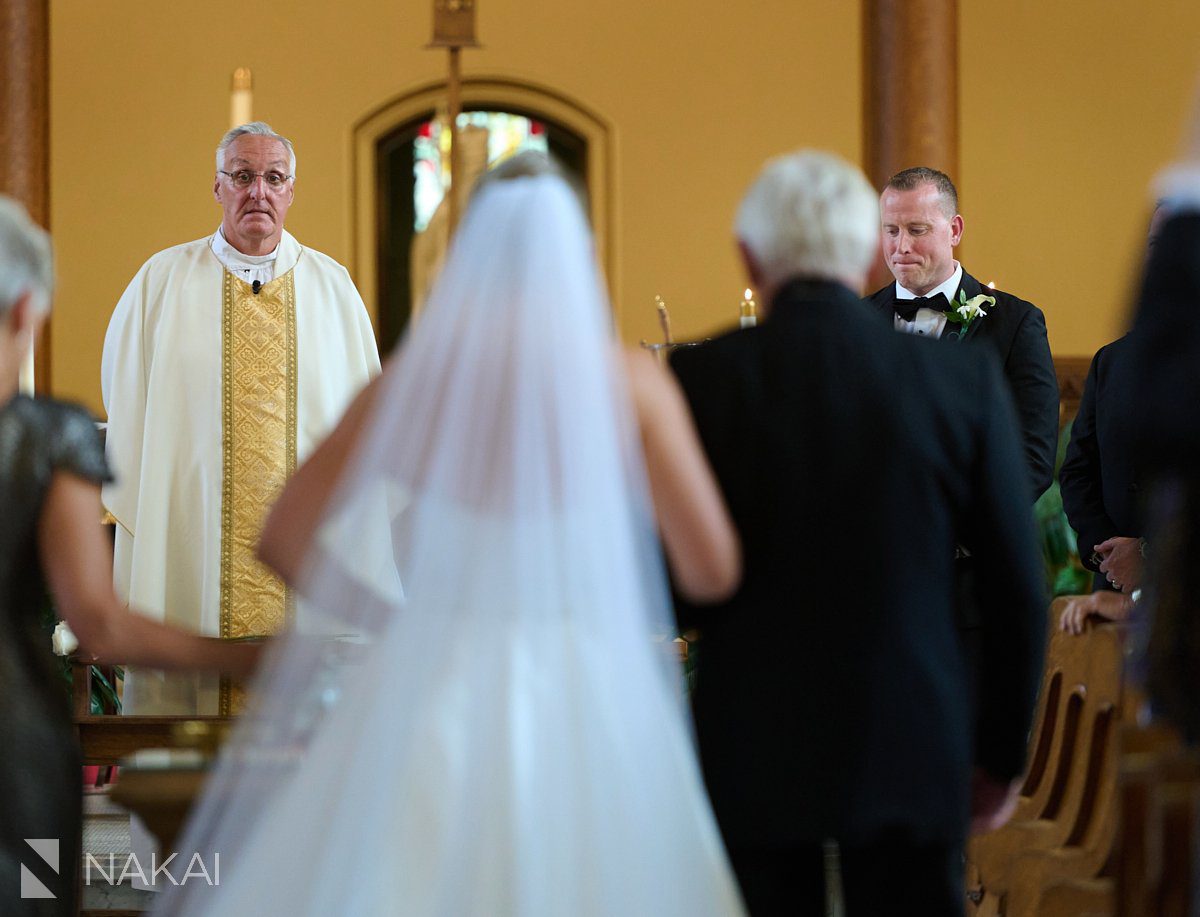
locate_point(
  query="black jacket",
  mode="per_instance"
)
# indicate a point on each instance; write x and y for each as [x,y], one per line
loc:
[1162,373]
[1100,485]
[831,697]
[1015,330]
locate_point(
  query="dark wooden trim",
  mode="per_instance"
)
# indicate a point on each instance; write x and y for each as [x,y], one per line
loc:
[25,124]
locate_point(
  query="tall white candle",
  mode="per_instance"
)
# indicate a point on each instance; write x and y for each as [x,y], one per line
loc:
[25,377]
[241,97]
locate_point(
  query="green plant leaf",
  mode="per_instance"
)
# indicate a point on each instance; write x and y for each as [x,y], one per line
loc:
[1065,575]
[1071,581]
[104,692]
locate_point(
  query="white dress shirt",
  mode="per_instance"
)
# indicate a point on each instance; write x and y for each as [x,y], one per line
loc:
[248,267]
[929,322]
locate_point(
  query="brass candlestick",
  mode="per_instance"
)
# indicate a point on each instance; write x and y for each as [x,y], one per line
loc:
[664,320]
[747,311]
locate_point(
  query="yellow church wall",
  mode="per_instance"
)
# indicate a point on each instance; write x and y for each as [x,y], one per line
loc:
[1068,111]
[1065,116]
[696,95]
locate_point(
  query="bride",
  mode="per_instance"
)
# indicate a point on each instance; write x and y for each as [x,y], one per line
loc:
[478,710]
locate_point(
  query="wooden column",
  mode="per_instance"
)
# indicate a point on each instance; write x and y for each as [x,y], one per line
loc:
[25,123]
[910,86]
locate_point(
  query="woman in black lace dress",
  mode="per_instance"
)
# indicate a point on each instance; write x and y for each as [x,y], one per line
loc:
[51,468]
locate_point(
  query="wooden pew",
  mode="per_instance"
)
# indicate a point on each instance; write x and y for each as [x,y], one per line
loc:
[1062,836]
[1156,858]
[1061,896]
[1108,823]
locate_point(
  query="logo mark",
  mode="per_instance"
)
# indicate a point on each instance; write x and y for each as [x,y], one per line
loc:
[31,885]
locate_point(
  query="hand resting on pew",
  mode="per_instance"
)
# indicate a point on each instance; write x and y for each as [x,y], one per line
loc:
[1109,606]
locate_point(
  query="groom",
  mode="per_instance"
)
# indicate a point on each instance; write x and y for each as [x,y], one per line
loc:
[921,228]
[832,697]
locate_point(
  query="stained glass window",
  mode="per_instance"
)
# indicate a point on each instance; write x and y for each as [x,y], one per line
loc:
[507,134]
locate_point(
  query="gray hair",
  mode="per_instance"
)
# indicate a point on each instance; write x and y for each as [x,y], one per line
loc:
[809,214]
[256,129]
[26,258]
[911,179]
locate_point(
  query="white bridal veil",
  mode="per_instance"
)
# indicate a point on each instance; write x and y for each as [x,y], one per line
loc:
[499,729]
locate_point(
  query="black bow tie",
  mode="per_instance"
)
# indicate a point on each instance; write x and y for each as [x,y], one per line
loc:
[907,308]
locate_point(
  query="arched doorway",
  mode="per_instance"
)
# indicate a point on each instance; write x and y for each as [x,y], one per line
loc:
[392,202]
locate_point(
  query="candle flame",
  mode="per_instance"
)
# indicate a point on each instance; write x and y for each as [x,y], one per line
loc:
[991,284]
[749,293]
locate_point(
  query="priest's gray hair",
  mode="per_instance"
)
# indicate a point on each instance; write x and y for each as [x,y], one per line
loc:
[257,129]
[810,214]
[26,258]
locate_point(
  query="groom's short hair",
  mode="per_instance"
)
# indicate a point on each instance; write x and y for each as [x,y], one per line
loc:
[911,179]
[809,214]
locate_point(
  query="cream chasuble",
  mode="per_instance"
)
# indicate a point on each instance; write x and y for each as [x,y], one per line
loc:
[213,394]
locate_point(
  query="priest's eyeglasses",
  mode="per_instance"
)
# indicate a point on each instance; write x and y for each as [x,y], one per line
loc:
[244,178]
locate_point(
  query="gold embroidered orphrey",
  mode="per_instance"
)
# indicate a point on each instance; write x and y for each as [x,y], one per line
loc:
[258,451]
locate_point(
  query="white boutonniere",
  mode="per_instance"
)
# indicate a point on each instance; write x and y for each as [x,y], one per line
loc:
[966,311]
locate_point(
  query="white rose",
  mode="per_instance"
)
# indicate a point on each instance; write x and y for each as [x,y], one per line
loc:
[63,641]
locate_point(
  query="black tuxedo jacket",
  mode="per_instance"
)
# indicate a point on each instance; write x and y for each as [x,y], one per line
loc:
[1099,479]
[1015,330]
[831,696]
[1163,369]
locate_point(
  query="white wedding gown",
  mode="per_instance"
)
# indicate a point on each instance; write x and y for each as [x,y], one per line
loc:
[502,733]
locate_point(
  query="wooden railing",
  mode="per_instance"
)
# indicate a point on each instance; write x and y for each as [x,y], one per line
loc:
[105,739]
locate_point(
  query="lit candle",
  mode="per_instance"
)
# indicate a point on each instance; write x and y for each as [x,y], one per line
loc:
[664,320]
[25,377]
[241,98]
[748,317]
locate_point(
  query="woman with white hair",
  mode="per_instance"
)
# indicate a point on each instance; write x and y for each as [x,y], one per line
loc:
[504,732]
[51,468]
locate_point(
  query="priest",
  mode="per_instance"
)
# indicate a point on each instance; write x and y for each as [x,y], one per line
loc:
[226,360]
